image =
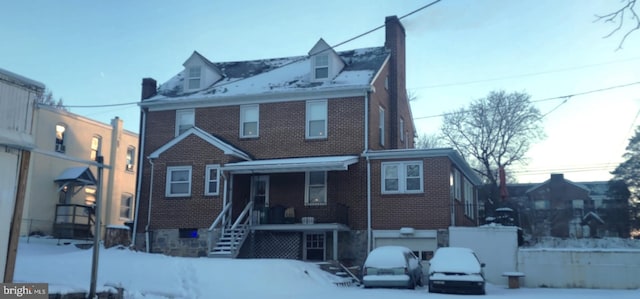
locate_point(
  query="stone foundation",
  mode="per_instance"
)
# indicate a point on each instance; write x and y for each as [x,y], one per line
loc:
[168,241]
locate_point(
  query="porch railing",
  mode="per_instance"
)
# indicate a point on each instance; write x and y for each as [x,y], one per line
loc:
[73,221]
[217,227]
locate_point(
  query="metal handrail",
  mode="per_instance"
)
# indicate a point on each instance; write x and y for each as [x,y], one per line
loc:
[220,216]
[242,215]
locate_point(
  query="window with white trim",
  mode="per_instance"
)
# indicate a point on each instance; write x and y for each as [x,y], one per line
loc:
[212,179]
[60,146]
[96,144]
[321,66]
[316,114]
[131,158]
[316,188]
[402,177]
[315,246]
[178,181]
[185,119]
[468,199]
[194,76]
[381,126]
[457,186]
[249,120]
[126,201]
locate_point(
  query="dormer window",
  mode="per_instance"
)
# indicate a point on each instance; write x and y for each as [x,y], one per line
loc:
[322,66]
[194,76]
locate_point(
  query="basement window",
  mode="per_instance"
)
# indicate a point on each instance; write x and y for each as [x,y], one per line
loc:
[188,233]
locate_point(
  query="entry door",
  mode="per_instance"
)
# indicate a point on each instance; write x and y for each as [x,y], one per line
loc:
[260,191]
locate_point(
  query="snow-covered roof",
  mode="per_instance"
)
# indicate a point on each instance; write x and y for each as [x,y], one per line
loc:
[325,163]
[18,79]
[80,174]
[276,76]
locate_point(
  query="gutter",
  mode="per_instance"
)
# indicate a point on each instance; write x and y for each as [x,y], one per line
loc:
[139,178]
[146,229]
[364,153]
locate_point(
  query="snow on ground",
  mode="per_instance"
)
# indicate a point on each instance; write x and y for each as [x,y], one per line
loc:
[68,269]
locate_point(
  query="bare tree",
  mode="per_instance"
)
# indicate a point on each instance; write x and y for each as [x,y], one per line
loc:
[424,141]
[47,98]
[627,9]
[494,132]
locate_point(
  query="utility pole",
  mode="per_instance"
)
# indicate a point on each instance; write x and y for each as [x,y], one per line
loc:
[96,234]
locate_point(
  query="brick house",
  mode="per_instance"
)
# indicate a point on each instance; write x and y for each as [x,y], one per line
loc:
[562,208]
[308,157]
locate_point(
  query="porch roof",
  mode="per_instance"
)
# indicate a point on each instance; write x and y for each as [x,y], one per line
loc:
[328,163]
[300,227]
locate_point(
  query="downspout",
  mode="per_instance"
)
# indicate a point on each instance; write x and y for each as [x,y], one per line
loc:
[224,195]
[452,196]
[139,178]
[366,149]
[146,229]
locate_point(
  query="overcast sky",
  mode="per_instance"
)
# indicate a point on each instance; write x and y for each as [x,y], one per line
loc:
[96,53]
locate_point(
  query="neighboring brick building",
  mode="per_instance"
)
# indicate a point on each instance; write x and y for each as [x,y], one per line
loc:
[306,157]
[561,208]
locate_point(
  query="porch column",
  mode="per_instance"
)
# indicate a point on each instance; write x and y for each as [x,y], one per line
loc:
[335,244]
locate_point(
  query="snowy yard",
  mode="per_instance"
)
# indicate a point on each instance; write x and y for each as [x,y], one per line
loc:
[67,269]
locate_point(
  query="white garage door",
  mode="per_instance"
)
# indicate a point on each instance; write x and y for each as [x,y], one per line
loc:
[9,166]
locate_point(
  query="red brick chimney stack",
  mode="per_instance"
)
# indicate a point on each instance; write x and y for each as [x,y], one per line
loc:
[395,42]
[149,88]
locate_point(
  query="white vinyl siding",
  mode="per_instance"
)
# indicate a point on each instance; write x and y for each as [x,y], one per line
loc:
[178,181]
[402,177]
[249,120]
[316,114]
[381,126]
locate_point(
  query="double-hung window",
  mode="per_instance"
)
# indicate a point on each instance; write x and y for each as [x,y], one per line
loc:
[249,120]
[468,199]
[185,119]
[321,66]
[178,181]
[131,158]
[126,201]
[212,179]
[60,146]
[402,177]
[316,119]
[194,77]
[316,188]
[96,142]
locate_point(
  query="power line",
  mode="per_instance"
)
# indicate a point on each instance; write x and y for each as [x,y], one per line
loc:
[283,65]
[523,75]
[565,97]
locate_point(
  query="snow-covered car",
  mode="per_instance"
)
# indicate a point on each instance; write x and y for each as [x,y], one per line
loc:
[392,266]
[456,270]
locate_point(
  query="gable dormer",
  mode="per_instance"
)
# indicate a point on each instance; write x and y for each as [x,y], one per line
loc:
[326,64]
[199,73]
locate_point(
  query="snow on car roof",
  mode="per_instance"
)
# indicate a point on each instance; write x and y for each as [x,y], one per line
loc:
[387,257]
[454,259]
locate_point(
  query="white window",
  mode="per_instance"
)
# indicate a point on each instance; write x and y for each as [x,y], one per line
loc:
[212,179]
[249,120]
[457,186]
[321,66]
[193,77]
[185,119]
[96,142]
[402,177]
[468,199]
[60,129]
[381,126]
[131,158]
[316,186]
[125,205]
[314,247]
[401,129]
[178,181]
[316,119]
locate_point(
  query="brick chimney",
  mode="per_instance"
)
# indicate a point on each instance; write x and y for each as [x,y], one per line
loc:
[149,88]
[395,42]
